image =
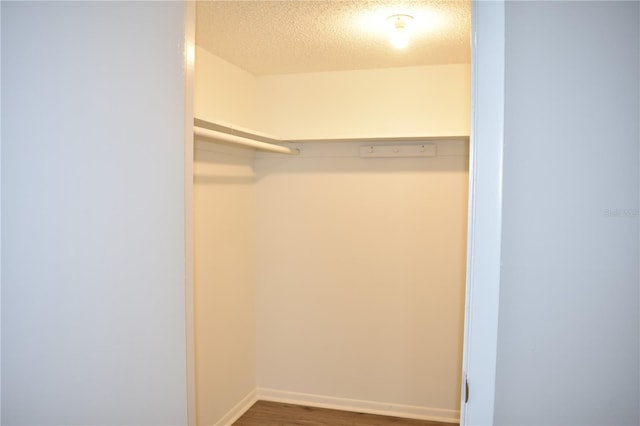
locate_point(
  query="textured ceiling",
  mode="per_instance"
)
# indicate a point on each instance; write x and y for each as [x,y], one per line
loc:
[281,37]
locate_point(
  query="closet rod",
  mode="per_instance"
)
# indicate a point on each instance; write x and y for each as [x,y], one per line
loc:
[226,137]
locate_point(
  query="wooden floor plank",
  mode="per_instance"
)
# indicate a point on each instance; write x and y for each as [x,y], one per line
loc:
[265,413]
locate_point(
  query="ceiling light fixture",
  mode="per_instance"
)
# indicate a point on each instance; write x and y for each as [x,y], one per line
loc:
[399,31]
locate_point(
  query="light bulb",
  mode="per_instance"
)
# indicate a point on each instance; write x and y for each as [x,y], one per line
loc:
[400,39]
[399,36]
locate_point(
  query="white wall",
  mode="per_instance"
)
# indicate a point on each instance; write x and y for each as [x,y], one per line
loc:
[224,243]
[224,93]
[359,301]
[93,316]
[360,276]
[412,101]
[390,102]
[0,223]
[224,280]
[568,338]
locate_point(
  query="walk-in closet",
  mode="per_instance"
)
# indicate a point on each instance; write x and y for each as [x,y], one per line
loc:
[330,272]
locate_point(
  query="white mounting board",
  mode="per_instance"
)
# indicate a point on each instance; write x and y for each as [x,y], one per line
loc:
[398,150]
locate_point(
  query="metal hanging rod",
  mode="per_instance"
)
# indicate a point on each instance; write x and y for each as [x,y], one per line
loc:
[205,129]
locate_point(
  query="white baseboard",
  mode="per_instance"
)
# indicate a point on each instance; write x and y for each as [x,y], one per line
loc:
[369,407]
[238,410]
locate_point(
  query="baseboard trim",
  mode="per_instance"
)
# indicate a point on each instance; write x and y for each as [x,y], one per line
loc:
[239,409]
[369,407]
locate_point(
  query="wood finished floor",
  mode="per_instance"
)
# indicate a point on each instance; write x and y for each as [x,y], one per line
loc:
[264,413]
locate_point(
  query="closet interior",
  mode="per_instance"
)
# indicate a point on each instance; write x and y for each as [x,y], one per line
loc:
[330,272]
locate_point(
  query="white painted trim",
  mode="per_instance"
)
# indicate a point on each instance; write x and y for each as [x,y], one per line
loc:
[485,211]
[0,219]
[188,71]
[238,410]
[360,406]
[444,148]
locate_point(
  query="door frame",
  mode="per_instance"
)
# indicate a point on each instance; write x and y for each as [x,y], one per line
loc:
[188,73]
[485,213]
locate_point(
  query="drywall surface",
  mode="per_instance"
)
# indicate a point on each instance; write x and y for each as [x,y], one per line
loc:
[223,92]
[93,316]
[224,280]
[0,226]
[411,101]
[360,276]
[568,337]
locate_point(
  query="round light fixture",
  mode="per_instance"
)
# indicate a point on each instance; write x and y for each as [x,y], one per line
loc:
[399,30]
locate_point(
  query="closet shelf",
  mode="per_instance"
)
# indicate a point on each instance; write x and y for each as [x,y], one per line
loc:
[236,135]
[225,133]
